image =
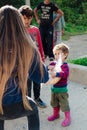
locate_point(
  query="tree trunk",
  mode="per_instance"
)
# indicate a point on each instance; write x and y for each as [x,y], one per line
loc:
[27,2]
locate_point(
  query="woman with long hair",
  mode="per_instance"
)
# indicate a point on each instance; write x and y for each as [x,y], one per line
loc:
[19,59]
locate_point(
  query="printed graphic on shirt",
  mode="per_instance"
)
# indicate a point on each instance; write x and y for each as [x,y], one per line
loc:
[45,12]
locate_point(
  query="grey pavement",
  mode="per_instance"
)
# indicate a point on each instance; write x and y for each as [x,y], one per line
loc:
[77,98]
[78,46]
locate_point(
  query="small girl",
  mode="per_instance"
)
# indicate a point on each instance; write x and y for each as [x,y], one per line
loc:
[59,91]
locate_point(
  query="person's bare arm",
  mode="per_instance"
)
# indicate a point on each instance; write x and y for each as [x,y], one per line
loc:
[60,13]
[53,81]
[36,15]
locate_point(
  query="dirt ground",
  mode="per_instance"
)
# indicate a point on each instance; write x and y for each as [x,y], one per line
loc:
[78,98]
[78,46]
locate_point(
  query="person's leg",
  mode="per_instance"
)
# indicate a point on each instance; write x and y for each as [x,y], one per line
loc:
[66,109]
[33,121]
[43,38]
[29,85]
[17,110]
[56,107]
[36,88]
[49,38]
[1,124]
[67,120]
[54,37]
[55,114]
[33,117]
[59,37]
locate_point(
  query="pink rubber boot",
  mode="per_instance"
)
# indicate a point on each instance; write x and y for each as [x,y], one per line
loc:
[55,114]
[67,120]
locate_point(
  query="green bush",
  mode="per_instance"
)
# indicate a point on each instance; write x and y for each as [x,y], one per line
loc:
[15,3]
[75,14]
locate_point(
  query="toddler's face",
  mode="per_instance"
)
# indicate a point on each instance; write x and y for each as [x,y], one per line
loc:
[57,53]
[26,21]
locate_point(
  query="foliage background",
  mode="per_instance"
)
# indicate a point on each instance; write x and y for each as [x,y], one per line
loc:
[75,13]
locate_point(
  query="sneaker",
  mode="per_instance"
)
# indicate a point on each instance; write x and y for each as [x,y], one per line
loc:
[40,103]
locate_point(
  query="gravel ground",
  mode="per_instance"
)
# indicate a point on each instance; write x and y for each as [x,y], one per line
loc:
[77,98]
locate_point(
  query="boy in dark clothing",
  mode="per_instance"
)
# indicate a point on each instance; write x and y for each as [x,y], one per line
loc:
[46,23]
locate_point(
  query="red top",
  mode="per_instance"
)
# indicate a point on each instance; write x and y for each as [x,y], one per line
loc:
[35,35]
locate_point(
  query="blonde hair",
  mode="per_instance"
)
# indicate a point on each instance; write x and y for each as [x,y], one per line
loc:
[16,48]
[63,47]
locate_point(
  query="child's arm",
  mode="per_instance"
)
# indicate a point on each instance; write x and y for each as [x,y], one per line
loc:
[54,79]
[50,67]
[40,45]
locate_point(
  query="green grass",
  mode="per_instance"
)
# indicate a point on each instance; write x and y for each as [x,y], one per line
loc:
[72,30]
[80,61]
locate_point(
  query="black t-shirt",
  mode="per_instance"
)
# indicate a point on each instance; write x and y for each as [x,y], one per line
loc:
[46,12]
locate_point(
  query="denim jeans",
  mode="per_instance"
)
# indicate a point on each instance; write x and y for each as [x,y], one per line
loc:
[17,110]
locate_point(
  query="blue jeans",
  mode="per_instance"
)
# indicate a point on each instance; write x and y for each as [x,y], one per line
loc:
[17,110]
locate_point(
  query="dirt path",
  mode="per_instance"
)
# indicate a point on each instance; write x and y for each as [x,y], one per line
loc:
[78,46]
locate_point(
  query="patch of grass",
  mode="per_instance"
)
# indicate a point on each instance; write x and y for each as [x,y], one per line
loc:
[80,61]
[72,30]
[66,36]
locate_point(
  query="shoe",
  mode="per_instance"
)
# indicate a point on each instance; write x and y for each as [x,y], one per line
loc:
[52,118]
[40,103]
[67,120]
[55,114]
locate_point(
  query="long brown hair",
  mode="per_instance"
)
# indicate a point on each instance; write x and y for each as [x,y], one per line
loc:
[15,45]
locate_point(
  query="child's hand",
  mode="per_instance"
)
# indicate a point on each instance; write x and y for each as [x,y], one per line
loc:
[51,67]
[53,74]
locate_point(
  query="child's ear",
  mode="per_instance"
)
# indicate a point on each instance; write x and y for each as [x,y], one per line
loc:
[66,56]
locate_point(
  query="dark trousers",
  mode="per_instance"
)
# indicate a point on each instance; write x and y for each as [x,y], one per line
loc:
[36,89]
[47,39]
[17,110]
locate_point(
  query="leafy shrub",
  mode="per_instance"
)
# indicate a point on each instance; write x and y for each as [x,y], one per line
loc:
[15,3]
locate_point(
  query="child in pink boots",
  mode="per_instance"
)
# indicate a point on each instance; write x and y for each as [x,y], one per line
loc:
[59,95]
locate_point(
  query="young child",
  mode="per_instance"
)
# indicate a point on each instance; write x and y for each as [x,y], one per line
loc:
[27,16]
[59,95]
